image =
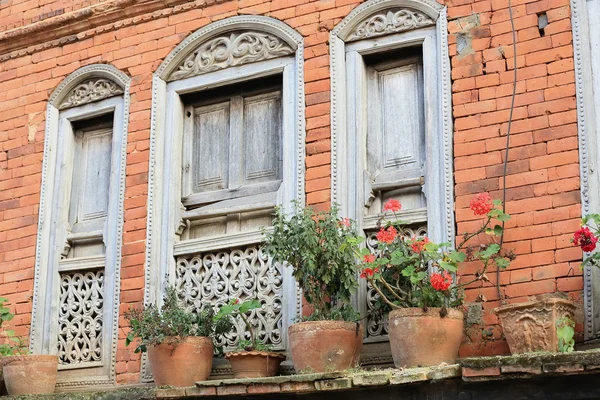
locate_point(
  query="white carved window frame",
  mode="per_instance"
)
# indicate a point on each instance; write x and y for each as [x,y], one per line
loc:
[348,122]
[586,30]
[48,247]
[164,199]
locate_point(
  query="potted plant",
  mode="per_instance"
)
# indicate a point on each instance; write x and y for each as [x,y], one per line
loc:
[24,373]
[179,342]
[320,248]
[414,280]
[252,359]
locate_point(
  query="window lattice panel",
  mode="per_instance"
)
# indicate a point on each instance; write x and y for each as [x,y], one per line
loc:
[377,325]
[80,317]
[218,276]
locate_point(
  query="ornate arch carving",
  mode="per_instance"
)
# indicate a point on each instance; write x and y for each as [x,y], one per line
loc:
[382,17]
[88,84]
[230,42]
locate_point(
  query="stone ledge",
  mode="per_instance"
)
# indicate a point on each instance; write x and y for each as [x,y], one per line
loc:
[530,364]
[307,383]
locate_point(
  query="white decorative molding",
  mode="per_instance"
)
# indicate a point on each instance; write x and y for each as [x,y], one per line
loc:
[42,278]
[391,21]
[91,90]
[586,28]
[229,50]
[344,29]
[166,121]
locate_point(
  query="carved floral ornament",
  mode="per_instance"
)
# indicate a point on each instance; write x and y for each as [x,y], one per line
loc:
[391,21]
[91,90]
[230,50]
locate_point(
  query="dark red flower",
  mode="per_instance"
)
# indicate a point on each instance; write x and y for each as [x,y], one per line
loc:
[236,301]
[441,282]
[387,235]
[585,239]
[418,245]
[481,203]
[392,205]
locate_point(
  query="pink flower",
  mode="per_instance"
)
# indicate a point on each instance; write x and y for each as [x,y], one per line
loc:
[369,258]
[481,204]
[392,205]
[441,282]
[585,239]
[418,245]
[387,235]
[346,222]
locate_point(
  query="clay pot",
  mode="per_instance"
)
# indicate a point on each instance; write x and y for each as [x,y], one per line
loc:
[325,346]
[531,326]
[422,338]
[30,374]
[254,364]
[181,363]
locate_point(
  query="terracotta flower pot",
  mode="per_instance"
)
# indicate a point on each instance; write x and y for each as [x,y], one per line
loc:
[183,363]
[30,374]
[254,364]
[325,346]
[423,338]
[531,326]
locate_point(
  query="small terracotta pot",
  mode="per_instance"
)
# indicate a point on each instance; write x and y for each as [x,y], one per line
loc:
[254,364]
[181,363]
[422,338]
[30,374]
[531,326]
[325,346]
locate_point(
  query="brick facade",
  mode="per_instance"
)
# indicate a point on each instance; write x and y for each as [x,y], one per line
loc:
[543,172]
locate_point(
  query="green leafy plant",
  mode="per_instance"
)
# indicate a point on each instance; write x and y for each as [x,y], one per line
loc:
[235,309]
[13,345]
[565,332]
[321,250]
[171,323]
[415,272]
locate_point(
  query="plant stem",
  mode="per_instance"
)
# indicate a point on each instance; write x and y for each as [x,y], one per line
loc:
[472,235]
[249,327]
[382,295]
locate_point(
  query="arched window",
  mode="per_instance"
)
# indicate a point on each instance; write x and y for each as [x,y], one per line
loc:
[227,146]
[392,127]
[78,252]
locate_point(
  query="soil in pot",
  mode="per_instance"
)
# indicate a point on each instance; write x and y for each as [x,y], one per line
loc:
[254,364]
[325,346]
[422,338]
[30,374]
[181,363]
[531,326]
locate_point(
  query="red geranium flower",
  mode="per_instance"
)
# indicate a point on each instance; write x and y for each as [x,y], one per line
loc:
[368,272]
[369,258]
[345,222]
[585,239]
[387,235]
[392,205]
[481,204]
[441,282]
[418,245]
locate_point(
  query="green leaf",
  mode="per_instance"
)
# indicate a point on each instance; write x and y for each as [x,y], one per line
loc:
[498,230]
[448,266]
[457,256]
[503,217]
[502,262]
[415,278]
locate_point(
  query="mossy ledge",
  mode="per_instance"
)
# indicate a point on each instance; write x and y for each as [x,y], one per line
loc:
[587,358]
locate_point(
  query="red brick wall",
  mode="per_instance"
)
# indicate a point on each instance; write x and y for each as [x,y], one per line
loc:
[543,185]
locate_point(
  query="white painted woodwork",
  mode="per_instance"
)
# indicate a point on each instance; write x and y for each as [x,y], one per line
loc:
[76,297]
[586,30]
[210,238]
